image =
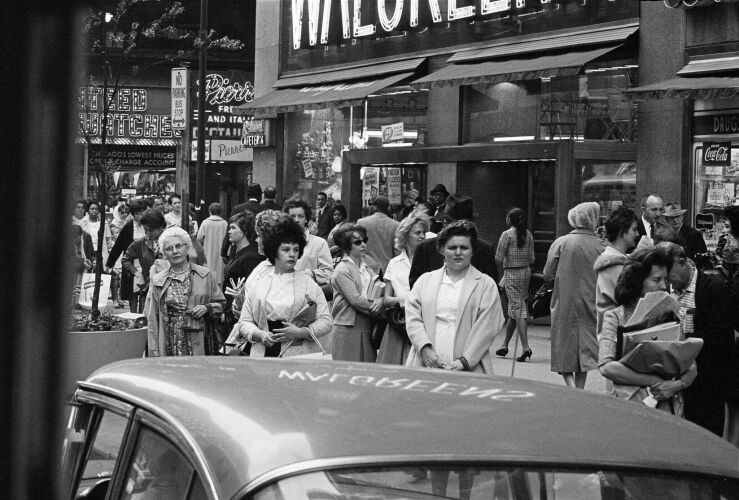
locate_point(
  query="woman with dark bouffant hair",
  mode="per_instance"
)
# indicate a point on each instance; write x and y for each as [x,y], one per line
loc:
[515,254]
[645,272]
[272,304]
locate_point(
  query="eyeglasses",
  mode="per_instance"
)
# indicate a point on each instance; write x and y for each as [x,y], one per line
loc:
[178,247]
[359,242]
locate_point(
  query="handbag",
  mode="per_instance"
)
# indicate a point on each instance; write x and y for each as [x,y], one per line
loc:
[395,315]
[540,301]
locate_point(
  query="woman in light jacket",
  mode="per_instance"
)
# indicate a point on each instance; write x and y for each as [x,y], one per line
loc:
[352,310]
[274,304]
[570,264]
[181,296]
[454,313]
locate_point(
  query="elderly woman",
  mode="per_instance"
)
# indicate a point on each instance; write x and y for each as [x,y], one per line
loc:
[570,264]
[645,272]
[182,296]
[274,314]
[352,309]
[454,313]
[395,345]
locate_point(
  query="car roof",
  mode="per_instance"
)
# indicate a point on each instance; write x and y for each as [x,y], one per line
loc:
[252,417]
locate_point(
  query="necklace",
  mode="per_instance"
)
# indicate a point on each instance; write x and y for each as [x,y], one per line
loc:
[180,272]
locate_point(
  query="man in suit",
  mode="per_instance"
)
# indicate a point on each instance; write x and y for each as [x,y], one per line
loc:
[690,238]
[324,216]
[380,232]
[706,312]
[253,195]
[427,257]
[437,197]
[652,210]
[269,203]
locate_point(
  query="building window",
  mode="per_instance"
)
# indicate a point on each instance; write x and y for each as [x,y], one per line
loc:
[611,184]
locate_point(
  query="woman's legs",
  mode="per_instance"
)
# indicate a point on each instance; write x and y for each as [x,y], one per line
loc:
[510,327]
[580,378]
[522,326]
[569,378]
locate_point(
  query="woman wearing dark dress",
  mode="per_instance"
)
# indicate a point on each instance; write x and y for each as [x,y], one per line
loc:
[131,230]
[242,235]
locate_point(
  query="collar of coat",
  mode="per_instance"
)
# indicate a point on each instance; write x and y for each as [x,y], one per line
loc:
[161,277]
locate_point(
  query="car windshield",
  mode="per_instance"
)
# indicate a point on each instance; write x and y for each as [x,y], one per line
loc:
[484,482]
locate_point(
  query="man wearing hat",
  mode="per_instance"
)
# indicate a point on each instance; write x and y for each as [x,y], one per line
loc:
[427,257]
[690,238]
[438,197]
[380,231]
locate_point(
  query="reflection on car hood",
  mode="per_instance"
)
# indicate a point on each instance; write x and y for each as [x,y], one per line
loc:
[251,416]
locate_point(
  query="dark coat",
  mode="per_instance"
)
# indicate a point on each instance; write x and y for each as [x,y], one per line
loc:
[124,240]
[427,258]
[325,222]
[268,205]
[640,227]
[704,399]
[250,205]
[692,240]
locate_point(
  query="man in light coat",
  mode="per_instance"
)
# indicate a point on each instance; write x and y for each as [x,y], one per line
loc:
[210,235]
[380,232]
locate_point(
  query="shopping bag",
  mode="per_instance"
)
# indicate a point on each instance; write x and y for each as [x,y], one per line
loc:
[87,289]
[668,359]
[540,301]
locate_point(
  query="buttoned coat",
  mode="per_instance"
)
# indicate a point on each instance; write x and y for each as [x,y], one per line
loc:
[205,291]
[570,263]
[479,318]
[325,221]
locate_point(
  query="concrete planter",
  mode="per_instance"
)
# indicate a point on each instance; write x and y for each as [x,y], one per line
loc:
[88,351]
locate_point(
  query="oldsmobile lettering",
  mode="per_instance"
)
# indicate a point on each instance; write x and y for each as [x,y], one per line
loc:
[407,384]
[354,16]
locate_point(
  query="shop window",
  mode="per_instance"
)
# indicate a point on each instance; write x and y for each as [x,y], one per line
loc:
[499,111]
[403,185]
[611,184]
[396,117]
[589,106]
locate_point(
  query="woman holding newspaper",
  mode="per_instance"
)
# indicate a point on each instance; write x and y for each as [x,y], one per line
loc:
[285,312]
[645,272]
[356,298]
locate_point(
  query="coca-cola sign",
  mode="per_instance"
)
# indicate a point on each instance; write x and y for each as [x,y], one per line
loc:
[717,154]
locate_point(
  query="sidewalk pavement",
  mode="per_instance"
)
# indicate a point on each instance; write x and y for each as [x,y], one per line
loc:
[538,367]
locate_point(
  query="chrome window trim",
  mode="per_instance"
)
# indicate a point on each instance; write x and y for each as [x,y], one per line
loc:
[191,449]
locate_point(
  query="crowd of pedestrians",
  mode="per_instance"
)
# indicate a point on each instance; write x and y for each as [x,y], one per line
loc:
[421,288]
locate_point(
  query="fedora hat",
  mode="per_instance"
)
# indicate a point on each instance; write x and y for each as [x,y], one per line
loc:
[459,207]
[440,188]
[673,209]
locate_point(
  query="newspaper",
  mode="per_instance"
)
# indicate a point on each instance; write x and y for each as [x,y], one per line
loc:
[653,305]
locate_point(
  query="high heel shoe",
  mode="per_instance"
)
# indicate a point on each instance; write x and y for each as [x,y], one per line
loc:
[526,354]
[502,352]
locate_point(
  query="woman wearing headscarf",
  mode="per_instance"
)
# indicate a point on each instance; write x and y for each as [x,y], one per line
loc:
[570,264]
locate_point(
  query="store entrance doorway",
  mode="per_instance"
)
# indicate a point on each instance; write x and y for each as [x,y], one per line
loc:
[496,186]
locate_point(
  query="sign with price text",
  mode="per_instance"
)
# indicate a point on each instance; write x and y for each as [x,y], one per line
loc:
[180,94]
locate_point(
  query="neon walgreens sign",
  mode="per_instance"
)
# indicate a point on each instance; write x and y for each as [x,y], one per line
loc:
[318,15]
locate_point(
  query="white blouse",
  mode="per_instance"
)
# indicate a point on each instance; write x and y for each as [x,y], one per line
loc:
[446,317]
[280,297]
[397,272]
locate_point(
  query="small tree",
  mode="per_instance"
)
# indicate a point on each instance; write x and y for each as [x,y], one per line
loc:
[114,31]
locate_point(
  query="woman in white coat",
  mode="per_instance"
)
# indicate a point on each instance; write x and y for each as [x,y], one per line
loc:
[454,313]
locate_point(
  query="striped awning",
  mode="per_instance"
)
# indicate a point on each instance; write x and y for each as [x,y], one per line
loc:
[711,65]
[707,87]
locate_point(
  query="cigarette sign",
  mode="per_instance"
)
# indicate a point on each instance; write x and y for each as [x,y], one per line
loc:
[179,98]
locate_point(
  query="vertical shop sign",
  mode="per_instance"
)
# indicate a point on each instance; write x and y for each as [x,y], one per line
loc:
[307,168]
[717,154]
[370,184]
[393,186]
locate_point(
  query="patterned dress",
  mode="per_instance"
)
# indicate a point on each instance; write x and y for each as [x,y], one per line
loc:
[179,342]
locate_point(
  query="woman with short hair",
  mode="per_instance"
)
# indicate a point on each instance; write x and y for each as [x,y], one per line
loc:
[411,231]
[243,237]
[316,256]
[454,313]
[182,297]
[273,305]
[352,309]
[141,255]
[339,215]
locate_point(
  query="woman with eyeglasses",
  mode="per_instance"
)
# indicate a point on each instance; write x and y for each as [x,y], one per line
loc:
[352,309]
[182,296]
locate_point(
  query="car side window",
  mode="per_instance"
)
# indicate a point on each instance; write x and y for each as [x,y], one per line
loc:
[101,459]
[158,470]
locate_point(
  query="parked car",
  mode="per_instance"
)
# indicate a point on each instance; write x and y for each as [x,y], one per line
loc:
[238,428]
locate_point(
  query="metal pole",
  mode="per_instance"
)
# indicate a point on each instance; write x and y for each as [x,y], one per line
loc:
[203,61]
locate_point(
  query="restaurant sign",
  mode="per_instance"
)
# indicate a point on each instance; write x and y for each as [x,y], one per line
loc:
[223,92]
[256,133]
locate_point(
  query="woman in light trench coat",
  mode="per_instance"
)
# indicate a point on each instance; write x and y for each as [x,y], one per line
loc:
[570,264]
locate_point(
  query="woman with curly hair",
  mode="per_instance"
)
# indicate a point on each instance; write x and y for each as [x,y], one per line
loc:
[411,231]
[646,271]
[273,303]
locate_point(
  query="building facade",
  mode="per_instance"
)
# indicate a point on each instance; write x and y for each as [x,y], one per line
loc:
[515,103]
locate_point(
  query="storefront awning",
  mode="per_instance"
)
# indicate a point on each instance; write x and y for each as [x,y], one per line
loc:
[707,87]
[604,34]
[338,94]
[547,66]
[710,65]
[358,72]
